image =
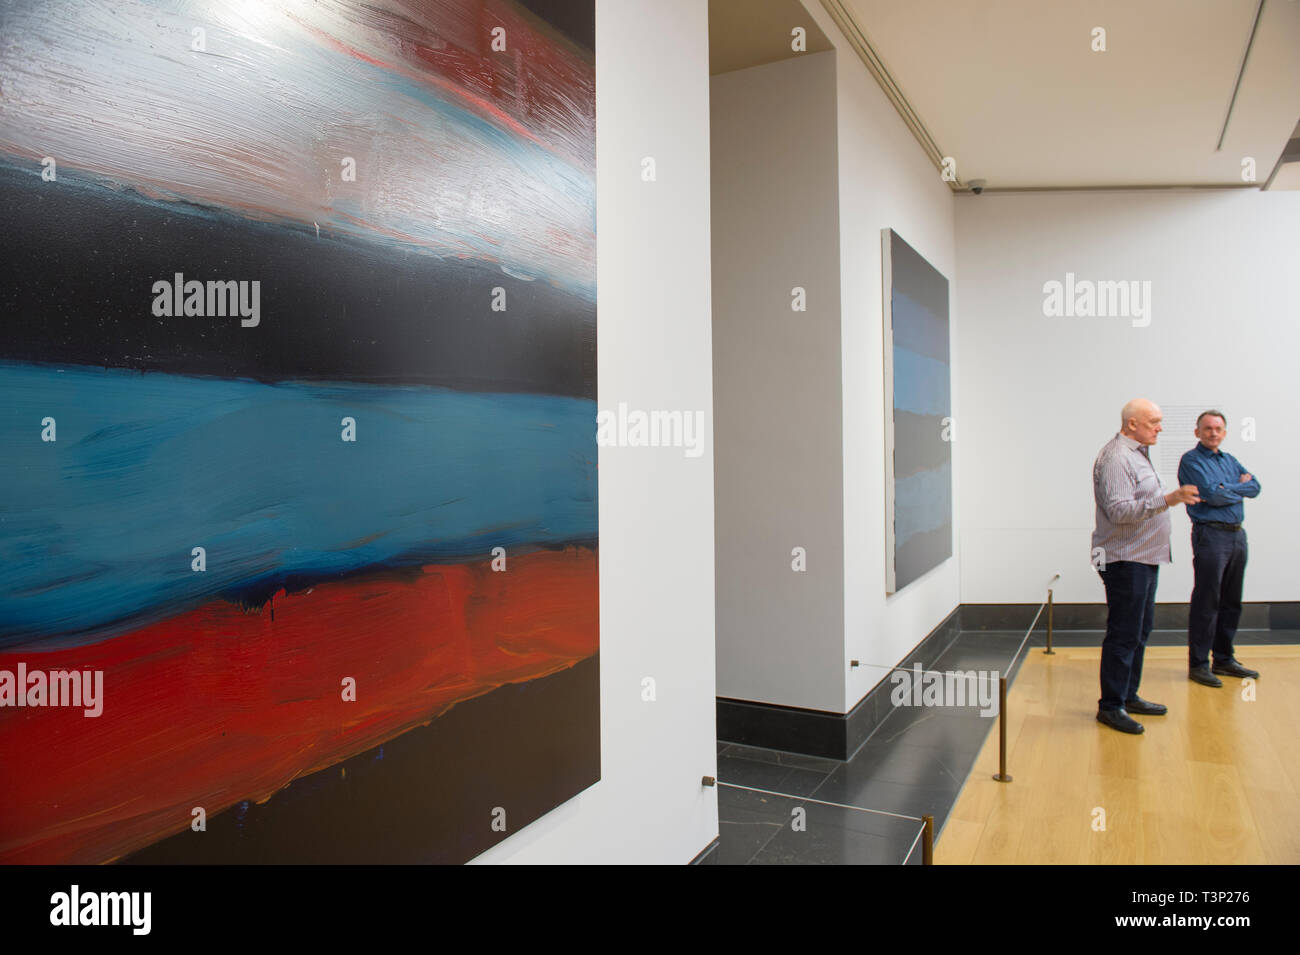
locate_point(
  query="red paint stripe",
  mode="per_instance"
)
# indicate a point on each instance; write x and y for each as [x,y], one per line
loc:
[217,705]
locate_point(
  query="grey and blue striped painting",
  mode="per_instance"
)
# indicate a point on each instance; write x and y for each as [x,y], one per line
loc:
[922,410]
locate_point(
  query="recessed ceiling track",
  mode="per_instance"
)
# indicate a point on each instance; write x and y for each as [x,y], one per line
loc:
[1240,73]
[1162,187]
[867,53]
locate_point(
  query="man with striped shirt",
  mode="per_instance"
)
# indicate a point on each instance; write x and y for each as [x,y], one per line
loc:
[1130,542]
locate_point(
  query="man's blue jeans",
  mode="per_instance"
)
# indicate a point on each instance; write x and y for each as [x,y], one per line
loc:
[1131,611]
[1219,563]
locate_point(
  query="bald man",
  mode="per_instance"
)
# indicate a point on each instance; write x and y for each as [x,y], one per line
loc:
[1130,542]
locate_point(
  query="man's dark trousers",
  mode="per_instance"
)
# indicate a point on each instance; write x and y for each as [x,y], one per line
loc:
[1219,565]
[1131,612]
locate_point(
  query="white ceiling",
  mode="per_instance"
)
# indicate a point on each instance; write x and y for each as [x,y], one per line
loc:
[1012,90]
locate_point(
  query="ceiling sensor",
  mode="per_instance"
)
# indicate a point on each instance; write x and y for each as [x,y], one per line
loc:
[977,185]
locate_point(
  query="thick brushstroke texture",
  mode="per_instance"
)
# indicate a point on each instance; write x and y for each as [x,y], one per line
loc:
[331,307]
[460,152]
[97,528]
[325,559]
[419,798]
[218,705]
[536,88]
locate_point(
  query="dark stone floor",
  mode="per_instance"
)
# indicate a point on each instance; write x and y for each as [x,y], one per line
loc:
[915,763]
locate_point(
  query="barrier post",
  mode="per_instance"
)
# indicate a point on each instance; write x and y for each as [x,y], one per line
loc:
[1049,651]
[927,841]
[1002,776]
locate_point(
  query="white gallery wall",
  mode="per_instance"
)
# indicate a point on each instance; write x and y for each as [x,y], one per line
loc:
[886,181]
[1040,395]
[656,503]
[800,158]
[776,359]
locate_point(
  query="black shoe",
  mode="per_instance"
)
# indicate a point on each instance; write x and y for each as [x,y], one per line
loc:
[1120,720]
[1202,675]
[1145,708]
[1231,667]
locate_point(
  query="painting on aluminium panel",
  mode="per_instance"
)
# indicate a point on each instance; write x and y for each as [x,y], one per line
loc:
[918,415]
[298,497]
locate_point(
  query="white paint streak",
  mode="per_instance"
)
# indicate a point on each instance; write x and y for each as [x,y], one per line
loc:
[259,122]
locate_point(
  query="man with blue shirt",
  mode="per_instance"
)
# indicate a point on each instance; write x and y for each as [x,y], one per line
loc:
[1218,550]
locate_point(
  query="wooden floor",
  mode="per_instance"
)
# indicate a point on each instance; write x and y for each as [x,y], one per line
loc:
[1216,781]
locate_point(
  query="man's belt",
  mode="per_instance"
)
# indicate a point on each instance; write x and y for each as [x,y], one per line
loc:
[1222,526]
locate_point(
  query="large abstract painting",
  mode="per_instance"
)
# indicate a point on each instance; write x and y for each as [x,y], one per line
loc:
[918,416]
[298,498]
